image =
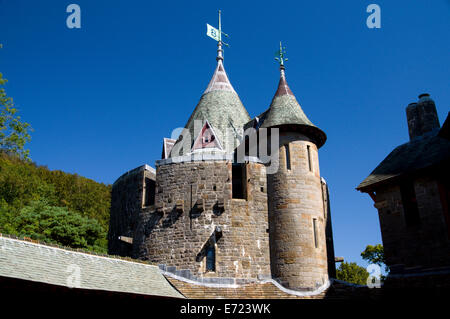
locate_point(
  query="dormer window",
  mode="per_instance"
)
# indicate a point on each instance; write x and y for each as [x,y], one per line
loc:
[206,139]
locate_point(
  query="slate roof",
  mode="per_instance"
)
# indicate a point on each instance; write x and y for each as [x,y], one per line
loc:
[56,266]
[222,108]
[421,152]
[285,110]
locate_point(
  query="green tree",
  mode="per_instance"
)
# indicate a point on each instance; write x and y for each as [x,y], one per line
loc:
[22,183]
[14,133]
[375,255]
[60,226]
[351,272]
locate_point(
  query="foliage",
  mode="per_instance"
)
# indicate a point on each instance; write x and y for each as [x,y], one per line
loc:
[59,225]
[14,134]
[28,190]
[375,255]
[51,206]
[351,272]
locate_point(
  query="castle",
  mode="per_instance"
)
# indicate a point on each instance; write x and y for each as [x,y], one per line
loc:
[218,210]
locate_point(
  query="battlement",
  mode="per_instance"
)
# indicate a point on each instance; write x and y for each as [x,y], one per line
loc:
[136,170]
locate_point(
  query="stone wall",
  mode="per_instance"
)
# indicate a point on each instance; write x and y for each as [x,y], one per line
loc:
[328,229]
[423,245]
[127,203]
[295,200]
[194,208]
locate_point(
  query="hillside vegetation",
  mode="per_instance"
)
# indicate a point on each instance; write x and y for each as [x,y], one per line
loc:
[52,206]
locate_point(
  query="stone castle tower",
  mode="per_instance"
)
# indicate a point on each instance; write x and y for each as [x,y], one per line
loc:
[297,217]
[212,216]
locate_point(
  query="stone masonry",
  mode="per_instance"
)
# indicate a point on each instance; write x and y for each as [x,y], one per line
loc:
[422,244]
[295,208]
[194,205]
[215,216]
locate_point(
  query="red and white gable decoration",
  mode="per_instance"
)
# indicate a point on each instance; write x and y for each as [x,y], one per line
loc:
[206,139]
[168,143]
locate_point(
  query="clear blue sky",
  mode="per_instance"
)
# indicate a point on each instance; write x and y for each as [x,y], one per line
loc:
[101,98]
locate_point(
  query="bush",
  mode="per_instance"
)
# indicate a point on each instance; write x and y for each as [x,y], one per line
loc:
[352,273]
[28,192]
[59,225]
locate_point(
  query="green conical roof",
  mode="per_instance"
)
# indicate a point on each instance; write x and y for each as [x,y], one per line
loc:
[286,111]
[222,108]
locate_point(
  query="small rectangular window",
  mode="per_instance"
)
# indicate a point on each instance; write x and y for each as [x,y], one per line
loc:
[239,181]
[316,239]
[149,192]
[210,258]
[410,209]
[309,157]
[288,157]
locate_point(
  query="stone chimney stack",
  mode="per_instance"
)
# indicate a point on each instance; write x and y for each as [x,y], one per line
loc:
[422,116]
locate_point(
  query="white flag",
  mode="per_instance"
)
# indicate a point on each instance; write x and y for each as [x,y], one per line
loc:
[212,32]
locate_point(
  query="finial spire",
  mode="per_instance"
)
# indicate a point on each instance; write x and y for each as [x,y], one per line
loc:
[219,43]
[281,56]
[217,35]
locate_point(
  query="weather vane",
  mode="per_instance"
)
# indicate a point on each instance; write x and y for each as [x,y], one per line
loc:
[281,55]
[216,34]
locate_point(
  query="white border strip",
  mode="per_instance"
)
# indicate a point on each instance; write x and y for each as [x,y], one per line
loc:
[286,290]
[201,156]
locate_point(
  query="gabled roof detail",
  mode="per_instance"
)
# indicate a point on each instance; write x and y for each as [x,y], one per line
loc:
[168,143]
[206,138]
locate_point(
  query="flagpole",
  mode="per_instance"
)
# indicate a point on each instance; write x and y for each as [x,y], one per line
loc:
[220,29]
[219,43]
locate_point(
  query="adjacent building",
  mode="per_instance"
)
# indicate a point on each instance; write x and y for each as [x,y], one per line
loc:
[410,188]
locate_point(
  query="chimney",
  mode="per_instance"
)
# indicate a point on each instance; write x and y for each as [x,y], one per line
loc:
[422,116]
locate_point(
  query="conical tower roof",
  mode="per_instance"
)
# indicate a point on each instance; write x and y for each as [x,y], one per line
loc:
[286,111]
[222,108]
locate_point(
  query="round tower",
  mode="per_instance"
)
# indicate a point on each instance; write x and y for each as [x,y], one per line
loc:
[297,218]
[209,218]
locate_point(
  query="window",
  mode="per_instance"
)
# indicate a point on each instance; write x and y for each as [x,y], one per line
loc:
[316,239]
[409,202]
[288,157]
[210,258]
[149,192]
[308,148]
[239,181]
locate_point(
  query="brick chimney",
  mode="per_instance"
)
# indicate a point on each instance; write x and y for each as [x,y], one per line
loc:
[422,116]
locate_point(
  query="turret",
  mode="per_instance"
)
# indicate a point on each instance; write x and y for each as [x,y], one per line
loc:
[297,219]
